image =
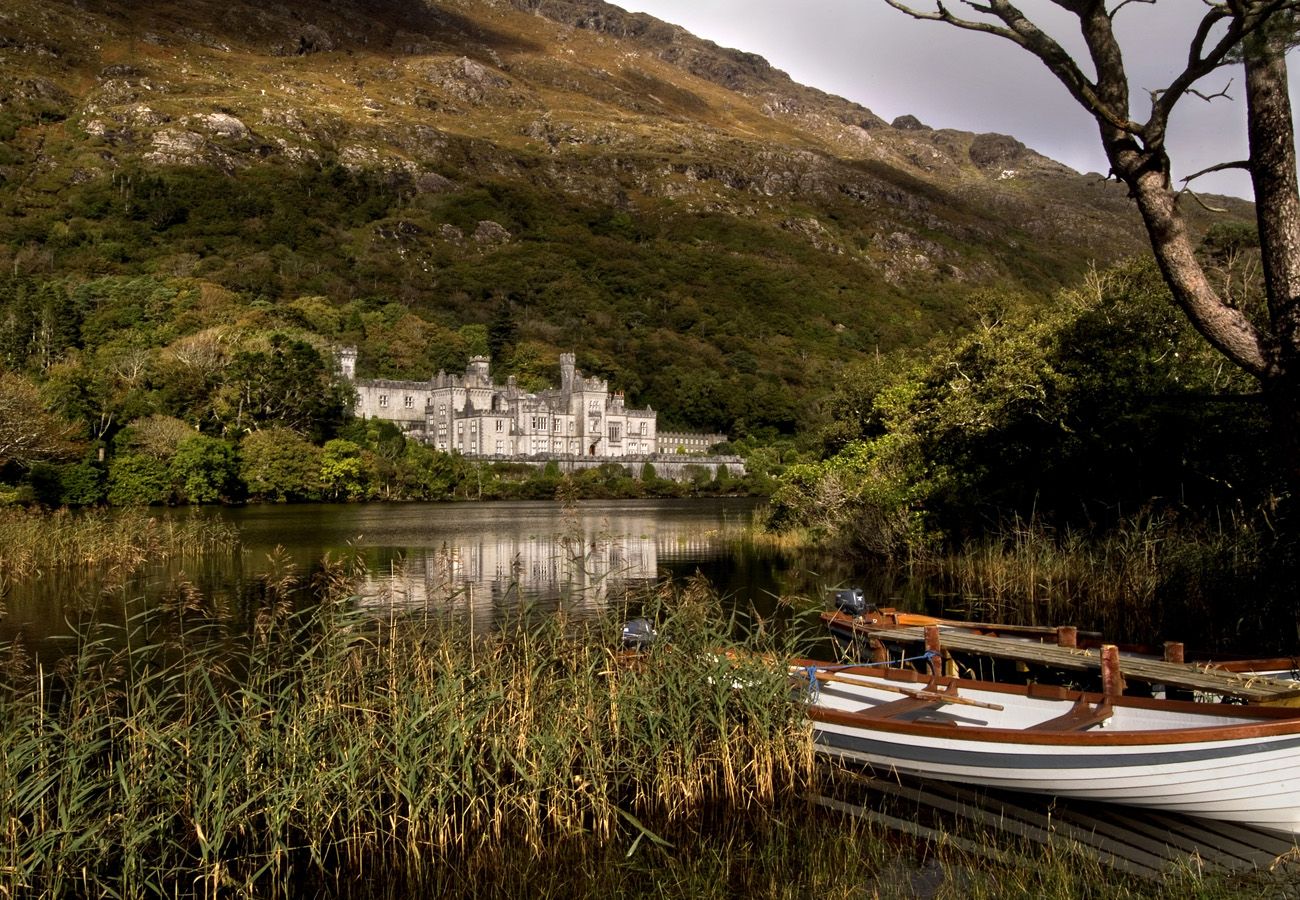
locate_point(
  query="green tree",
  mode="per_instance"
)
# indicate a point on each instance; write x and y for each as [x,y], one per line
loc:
[1105,402]
[428,474]
[342,470]
[105,390]
[287,385]
[474,338]
[502,331]
[279,465]
[137,479]
[204,469]
[83,483]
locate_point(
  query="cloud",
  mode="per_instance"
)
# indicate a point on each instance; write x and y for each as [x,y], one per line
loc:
[948,78]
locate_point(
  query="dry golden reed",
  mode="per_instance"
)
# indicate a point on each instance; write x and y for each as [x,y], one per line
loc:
[331,746]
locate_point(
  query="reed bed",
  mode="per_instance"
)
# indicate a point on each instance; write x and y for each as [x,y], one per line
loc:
[33,542]
[1149,579]
[321,750]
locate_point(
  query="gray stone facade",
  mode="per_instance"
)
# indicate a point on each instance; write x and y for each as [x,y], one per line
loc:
[688,442]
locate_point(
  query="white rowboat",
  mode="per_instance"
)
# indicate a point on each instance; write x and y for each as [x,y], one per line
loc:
[1231,763]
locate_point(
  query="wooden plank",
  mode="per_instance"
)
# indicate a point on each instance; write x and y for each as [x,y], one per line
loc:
[1150,857]
[1029,825]
[975,812]
[1082,716]
[1176,839]
[1227,834]
[1255,689]
[913,828]
[1106,825]
[948,695]
[1198,836]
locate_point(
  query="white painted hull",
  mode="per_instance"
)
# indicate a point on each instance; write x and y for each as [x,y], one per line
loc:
[1214,764]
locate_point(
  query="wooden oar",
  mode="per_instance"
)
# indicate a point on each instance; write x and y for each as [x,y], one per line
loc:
[922,694]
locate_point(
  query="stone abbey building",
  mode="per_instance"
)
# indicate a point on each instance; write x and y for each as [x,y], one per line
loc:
[474,416]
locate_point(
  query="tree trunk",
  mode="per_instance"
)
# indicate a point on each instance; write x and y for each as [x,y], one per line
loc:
[1277,209]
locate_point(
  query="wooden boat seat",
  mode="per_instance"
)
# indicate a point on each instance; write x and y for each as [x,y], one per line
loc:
[1082,716]
[900,707]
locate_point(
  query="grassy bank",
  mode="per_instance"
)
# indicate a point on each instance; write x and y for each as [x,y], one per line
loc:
[305,746]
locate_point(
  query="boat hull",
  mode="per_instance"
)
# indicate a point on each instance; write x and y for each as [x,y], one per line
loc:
[1259,785]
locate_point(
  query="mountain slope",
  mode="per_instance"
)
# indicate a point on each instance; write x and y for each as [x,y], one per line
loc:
[536,174]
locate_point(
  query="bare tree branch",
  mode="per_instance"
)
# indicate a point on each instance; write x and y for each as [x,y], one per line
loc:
[1221,94]
[1108,102]
[1219,167]
[1201,203]
[1123,3]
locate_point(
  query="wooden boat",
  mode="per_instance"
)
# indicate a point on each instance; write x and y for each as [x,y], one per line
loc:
[1230,763]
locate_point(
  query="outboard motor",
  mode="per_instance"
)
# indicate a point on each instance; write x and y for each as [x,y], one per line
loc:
[638,634]
[851,601]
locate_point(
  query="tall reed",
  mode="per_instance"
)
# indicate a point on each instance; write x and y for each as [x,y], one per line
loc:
[316,747]
[34,542]
[1151,577]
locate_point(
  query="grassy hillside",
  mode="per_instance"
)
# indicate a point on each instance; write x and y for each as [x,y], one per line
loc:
[432,180]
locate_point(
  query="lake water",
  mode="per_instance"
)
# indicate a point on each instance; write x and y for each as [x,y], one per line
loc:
[481,560]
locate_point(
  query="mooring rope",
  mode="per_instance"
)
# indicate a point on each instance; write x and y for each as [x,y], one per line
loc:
[814,686]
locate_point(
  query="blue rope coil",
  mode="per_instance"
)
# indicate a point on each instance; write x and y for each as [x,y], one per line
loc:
[814,687]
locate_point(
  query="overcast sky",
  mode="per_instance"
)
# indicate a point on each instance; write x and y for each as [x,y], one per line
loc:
[949,78]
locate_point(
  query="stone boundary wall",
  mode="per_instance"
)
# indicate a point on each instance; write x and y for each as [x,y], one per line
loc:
[673,466]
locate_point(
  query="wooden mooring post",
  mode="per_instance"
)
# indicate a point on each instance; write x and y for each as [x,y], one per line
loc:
[932,645]
[1112,679]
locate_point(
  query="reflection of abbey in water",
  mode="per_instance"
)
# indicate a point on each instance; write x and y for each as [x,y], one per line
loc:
[473,415]
[488,574]
[584,568]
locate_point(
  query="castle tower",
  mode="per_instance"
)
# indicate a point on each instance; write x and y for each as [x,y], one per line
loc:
[347,359]
[566,372]
[477,372]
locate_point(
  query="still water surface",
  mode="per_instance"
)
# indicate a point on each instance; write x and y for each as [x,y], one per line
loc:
[477,559]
